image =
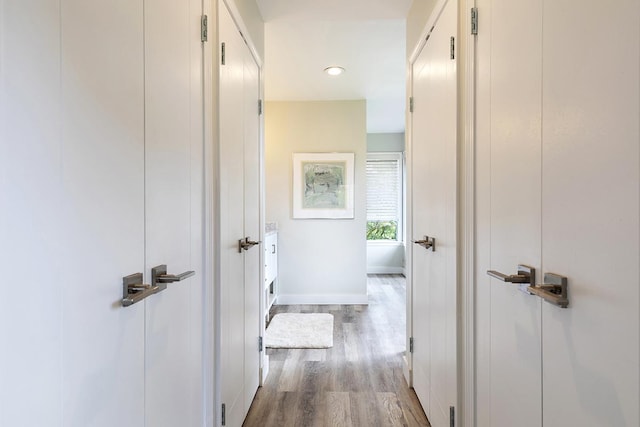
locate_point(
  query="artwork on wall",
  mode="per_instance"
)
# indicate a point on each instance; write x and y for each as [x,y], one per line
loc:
[323,185]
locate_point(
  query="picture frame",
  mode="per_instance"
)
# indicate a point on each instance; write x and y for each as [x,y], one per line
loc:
[323,185]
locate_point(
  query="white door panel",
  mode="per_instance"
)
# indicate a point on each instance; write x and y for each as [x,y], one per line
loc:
[72,134]
[31,200]
[103,205]
[558,169]
[231,221]
[252,263]
[434,183]
[239,219]
[512,74]
[591,194]
[173,190]
[423,82]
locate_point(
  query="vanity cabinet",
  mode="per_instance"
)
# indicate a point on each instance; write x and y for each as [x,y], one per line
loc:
[270,270]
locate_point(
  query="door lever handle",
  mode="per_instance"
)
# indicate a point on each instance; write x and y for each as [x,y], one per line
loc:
[526,274]
[554,290]
[133,290]
[427,243]
[246,244]
[160,278]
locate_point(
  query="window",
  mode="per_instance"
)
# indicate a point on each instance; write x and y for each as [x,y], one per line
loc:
[384,196]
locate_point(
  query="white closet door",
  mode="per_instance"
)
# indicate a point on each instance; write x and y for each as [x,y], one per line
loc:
[102,198]
[509,192]
[559,188]
[31,202]
[239,215]
[434,214]
[590,215]
[252,264]
[173,194]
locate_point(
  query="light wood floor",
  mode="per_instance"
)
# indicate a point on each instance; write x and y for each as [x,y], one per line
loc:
[357,382]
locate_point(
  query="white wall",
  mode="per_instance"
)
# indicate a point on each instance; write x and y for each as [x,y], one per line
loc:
[321,261]
[385,142]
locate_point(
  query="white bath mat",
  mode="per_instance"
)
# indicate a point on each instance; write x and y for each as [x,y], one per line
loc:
[300,330]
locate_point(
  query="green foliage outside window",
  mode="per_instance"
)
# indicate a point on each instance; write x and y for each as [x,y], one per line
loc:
[382,230]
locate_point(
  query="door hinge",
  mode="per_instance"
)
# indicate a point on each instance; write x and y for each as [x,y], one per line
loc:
[224,415]
[203,28]
[453,48]
[259,343]
[474,21]
[452,416]
[222,53]
[411,104]
[259,107]
[411,345]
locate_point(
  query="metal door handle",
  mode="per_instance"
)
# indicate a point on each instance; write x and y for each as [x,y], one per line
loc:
[160,278]
[427,243]
[526,274]
[554,290]
[133,290]
[246,244]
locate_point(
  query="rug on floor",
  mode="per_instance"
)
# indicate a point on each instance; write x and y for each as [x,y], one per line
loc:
[300,330]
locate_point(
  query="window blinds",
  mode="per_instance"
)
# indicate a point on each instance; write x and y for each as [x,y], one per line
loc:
[383,189]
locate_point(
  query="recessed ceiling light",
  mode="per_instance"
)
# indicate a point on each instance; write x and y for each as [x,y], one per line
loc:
[334,71]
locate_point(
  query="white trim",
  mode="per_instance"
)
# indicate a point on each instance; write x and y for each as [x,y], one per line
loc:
[214,204]
[466,341]
[383,269]
[407,366]
[264,358]
[323,299]
[385,243]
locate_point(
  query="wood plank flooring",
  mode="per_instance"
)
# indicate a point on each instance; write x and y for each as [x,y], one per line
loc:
[357,382]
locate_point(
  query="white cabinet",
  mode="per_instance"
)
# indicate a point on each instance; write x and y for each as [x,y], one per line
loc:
[270,270]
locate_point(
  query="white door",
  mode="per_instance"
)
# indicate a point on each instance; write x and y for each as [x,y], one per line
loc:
[81,123]
[591,193]
[173,211]
[252,229]
[558,168]
[71,213]
[434,190]
[239,219]
[509,217]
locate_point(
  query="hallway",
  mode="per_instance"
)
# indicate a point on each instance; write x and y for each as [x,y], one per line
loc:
[357,382]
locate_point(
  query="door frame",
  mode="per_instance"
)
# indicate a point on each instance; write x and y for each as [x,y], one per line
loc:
[211,293]
[466,75]
[467,215]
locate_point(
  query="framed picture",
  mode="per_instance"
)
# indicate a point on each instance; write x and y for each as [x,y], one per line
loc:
[323,185]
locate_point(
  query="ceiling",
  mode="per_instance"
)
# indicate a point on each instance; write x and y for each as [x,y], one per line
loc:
[366,37]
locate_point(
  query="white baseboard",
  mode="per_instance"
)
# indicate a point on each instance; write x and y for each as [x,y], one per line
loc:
[384,270]
[322,299]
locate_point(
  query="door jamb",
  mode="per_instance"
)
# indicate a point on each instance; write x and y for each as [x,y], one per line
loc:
[211,226]
[467,215]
